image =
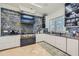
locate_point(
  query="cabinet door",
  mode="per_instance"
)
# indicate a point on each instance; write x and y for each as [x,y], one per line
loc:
[9,42]
[39,37]
[47,38]
[50,39]
[72,47]
[61,43]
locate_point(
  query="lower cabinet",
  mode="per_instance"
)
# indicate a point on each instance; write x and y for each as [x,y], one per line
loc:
[72,47]
[53,40]
[61,43]
[8,45]
[47,38]
[67,45]
[9,42]
[40,37]
[50,39]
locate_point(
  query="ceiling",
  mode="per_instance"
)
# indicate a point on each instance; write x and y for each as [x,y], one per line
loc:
[45,8]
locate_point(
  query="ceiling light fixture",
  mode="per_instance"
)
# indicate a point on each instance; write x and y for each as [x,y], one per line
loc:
[36,5]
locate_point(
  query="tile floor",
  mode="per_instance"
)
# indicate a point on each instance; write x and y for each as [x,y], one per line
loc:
[38,49]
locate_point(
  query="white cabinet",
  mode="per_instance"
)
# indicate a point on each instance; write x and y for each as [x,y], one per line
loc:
[65,44]
[61,43]
[72,47]
[50,39]
[47,38]
[9,41]
[39,37]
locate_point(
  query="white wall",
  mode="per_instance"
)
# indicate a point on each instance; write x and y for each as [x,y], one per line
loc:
[59,12]
[0,22]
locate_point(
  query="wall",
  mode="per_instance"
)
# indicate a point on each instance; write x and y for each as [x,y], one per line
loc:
[58,13]
[0,22]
